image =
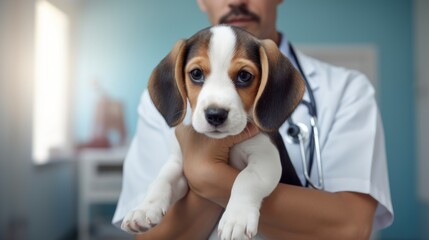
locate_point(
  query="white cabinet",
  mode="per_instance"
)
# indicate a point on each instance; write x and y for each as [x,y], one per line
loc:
[100,179]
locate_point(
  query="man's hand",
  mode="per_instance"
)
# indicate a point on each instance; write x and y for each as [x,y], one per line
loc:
[205,160]
[193,217]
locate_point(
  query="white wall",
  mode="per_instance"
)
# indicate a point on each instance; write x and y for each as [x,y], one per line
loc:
[421,50]
[15,33]
[35,202]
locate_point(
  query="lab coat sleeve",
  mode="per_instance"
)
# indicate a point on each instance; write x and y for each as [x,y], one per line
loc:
[148,152]
[353,148]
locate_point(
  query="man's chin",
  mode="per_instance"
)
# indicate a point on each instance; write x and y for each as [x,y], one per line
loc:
[249,27]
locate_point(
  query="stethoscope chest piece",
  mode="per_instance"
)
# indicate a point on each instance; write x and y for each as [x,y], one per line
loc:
[295,130]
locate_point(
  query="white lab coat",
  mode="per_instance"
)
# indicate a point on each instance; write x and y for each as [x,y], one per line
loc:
[351,140]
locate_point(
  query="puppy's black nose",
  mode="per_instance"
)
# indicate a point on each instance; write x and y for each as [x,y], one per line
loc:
[216,116]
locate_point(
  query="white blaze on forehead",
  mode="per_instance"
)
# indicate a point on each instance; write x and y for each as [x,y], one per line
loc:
[221,48]
[218,88]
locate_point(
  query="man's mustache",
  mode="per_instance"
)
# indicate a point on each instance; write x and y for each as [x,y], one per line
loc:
[237,10]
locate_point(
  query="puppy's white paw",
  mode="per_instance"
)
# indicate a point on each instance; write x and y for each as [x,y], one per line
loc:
[239,222]
[146,216]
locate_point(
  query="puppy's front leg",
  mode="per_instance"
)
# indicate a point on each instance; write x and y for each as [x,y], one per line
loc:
[169,186]
[256,181]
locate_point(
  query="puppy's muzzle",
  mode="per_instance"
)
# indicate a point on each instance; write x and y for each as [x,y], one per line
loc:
[216,116]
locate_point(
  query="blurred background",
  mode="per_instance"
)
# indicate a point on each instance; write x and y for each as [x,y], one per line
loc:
[71,75]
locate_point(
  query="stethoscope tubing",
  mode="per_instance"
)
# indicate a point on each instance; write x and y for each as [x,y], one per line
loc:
[314,144]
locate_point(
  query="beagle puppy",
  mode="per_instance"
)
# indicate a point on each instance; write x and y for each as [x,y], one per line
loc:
[229,78]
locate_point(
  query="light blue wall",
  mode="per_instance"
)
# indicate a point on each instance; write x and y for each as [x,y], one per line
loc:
[121,41]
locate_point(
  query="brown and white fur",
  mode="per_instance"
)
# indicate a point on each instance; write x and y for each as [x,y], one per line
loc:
[210,71]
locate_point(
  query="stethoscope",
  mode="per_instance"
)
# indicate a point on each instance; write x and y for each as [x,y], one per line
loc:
[298,133]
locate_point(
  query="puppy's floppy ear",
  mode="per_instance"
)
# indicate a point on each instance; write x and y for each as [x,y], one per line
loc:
[167,87]
[280,91]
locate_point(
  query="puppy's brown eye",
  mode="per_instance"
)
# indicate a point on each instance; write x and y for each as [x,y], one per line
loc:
[197,76]
[244,78]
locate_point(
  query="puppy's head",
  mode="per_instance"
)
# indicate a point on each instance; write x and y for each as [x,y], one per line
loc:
[229,78]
